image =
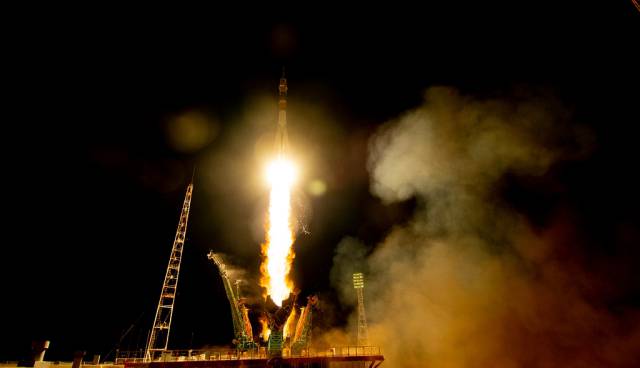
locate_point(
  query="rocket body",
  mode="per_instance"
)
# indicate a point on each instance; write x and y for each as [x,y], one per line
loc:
[282,139]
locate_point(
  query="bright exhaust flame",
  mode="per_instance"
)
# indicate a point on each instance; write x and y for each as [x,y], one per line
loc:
[289,327]
[277,252]
[265,332]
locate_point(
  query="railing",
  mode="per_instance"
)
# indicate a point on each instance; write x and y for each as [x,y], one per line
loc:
[261,353]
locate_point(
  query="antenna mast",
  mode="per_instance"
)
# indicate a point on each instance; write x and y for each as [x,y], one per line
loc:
[159,337]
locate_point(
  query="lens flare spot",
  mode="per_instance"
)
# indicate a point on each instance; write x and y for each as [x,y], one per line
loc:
[317,187]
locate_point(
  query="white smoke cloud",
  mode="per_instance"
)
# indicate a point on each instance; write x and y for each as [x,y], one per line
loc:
[467,282]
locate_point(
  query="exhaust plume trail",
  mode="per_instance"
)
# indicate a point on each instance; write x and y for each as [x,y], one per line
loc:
[277,251]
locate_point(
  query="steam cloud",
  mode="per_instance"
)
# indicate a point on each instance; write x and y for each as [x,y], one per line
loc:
[468,282]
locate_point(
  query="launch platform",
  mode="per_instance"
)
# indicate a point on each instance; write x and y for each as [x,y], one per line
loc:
[332,357]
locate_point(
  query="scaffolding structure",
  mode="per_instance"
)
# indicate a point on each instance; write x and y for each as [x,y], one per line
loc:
[159,335]
[363,332]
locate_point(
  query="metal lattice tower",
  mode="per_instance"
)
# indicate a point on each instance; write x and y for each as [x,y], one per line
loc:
[159,337]
[363,332]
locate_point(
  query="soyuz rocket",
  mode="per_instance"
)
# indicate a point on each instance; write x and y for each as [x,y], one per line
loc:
[282,139]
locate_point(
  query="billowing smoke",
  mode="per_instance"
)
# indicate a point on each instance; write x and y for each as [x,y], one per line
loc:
[469,281]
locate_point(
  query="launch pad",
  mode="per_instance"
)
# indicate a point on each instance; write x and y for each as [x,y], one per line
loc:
[334,357]
[286,326]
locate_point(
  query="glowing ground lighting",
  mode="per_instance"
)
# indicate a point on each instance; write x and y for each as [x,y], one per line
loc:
[277,251]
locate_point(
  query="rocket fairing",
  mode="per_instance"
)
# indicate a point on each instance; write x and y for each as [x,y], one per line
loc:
[282,139]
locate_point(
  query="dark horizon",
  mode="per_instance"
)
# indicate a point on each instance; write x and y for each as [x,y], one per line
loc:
[95,179]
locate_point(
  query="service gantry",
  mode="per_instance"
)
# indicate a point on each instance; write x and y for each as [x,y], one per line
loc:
[159,335]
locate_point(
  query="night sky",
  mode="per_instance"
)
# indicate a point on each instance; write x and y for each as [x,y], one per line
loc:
[94,177]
